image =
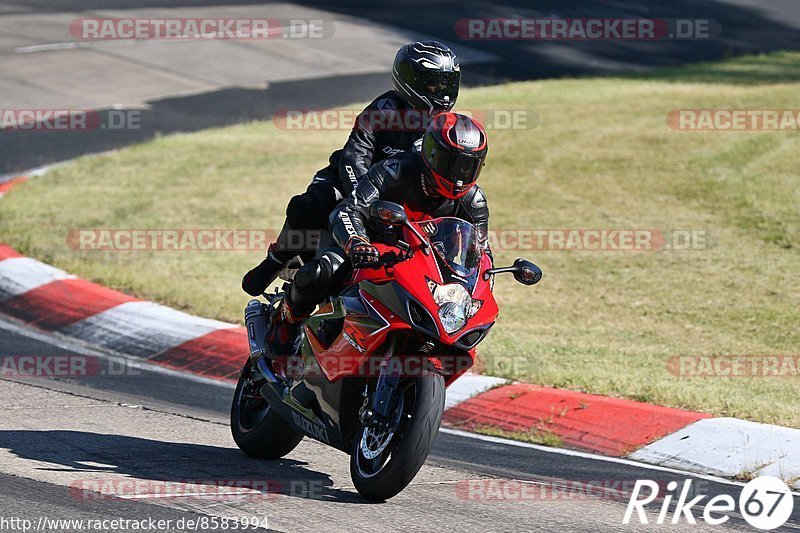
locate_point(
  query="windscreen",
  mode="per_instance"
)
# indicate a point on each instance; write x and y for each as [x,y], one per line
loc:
[457,243]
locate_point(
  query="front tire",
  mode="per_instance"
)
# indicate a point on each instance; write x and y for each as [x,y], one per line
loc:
[380,470]
[257,430]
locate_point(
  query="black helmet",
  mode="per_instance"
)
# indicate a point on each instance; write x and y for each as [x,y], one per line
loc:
[454,148]
[427,75]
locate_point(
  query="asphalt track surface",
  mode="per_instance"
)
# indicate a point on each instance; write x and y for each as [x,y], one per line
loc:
[59,435]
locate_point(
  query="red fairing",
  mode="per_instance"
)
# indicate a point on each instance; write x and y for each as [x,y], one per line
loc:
[363,336]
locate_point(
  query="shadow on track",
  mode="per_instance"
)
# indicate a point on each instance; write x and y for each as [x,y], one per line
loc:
[122,457]
[22,150]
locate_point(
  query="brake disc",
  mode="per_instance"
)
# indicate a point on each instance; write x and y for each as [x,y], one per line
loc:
[374,442]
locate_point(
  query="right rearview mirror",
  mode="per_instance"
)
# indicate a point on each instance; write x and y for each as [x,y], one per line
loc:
[526,272]
[387,212]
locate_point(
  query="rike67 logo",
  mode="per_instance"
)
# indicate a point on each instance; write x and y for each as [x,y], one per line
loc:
[766,503]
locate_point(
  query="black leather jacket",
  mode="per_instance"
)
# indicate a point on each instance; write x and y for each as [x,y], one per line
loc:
[399,179]
[386,127]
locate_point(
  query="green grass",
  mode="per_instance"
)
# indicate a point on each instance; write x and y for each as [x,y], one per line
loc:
[777,67]
[534,435]
[602,156]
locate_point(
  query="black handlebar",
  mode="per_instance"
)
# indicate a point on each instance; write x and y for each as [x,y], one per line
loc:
[385,260]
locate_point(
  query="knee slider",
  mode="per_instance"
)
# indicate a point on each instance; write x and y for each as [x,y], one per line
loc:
[314,279]
[309,276]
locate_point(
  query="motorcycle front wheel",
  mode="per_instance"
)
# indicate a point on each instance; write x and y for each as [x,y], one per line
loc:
[383,461]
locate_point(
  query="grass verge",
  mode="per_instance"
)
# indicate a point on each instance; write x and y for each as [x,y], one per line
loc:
[534,436]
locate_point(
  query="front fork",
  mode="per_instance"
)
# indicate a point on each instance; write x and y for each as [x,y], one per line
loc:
[380,410]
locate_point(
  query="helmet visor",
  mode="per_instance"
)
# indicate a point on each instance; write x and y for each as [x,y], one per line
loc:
[439,85]
[454,167]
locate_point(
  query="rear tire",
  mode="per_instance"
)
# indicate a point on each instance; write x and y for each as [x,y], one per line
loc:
[257,430]
[408,447]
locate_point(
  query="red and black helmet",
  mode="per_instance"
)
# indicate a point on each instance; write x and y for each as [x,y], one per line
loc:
[454,148]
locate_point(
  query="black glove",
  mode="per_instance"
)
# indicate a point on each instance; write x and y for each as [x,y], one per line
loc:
[258,279]
[361,252]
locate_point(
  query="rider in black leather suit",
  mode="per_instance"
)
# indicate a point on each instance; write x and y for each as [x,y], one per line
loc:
[437,181]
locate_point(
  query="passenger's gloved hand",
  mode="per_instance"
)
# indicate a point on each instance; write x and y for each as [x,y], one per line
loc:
[256,281]
[361,251]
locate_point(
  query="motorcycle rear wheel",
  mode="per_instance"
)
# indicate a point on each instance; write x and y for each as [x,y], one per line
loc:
[380,470]
[257,430]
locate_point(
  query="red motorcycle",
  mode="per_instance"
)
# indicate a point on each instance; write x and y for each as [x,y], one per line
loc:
[370,367]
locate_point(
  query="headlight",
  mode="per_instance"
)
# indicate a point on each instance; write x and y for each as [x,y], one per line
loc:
[456,304]
[453,317]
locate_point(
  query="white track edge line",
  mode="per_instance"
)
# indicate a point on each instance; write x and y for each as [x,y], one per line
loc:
[588,455]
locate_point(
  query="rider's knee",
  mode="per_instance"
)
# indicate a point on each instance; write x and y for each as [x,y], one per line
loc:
[317,278]
[309,277]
